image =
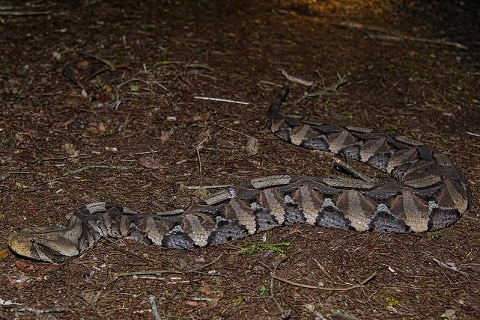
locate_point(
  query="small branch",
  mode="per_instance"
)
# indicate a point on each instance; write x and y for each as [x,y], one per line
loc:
[199,147]
[24,13]
[236,131]
[283,311]
[341,80]
[221,100]
[67,74]
[397,37]
[153,306]
[352,171]
[96,167]
[114,105]
[476,135]
[199,66]
[296,80]
[219,186]
[116,276]
[450,266]
[422,40]
[355,286]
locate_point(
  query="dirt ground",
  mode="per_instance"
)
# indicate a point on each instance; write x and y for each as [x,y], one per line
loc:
[99,102]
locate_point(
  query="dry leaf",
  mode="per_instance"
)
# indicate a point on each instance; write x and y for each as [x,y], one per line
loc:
[52,267]
[449,314]
[91,296]
[196,304]
[100,128]
[82,64]
[222,143]
[205,290]
[165,136]
[149,163]
[19,137]
[252,146]
[109,179]
[70,150]
[73,99]
[201,193]
[4,254]
[201,117]
[24,266]
[107,88]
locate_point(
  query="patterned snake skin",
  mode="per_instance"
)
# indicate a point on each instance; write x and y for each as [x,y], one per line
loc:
[429,194]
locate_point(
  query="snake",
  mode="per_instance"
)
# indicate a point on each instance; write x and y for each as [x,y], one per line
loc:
[427,192]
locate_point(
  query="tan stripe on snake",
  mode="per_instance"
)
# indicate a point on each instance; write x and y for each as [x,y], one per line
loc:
[429,194]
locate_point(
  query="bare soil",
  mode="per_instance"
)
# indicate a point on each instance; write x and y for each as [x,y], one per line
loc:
[98,103]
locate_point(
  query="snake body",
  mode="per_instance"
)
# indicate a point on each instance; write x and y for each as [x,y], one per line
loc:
[429,194]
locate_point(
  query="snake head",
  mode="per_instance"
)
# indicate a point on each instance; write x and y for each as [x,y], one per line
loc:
[50,244]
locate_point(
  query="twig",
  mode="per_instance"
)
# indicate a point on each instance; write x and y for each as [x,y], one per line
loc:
[476,135]
[422,40]
[106,62]
[450,266]
[153,306]
[323,269]
[118,101]
[283,311]
[236,131]
[199,66]
[199,147]
[208,187]
[116,276]
[221,100]
[296,80]
[38,312]
[96,167]
[355,286]
[24,13]
[397,37]
[66,73]
[26,133]
[355,173]
[341,80]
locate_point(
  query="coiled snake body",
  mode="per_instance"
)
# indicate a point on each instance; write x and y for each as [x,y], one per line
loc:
[429,194]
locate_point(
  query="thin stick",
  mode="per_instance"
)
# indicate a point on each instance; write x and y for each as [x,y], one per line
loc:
[198,147]
[396,37]
[199,66]
[476,135]
[296,80]
[116,276]
[96,167]
[153,306]
[24,13]
[422,40]
[285,312]
[221,100]
[341,80]
[450,267]
[355,286]
[357,174]
[208,187]
[236,131]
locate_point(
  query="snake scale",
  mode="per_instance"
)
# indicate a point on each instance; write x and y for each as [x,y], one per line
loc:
[429,193]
